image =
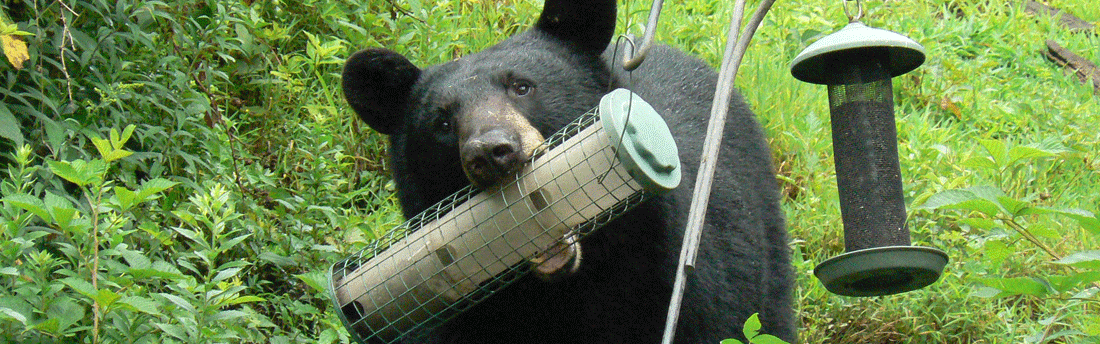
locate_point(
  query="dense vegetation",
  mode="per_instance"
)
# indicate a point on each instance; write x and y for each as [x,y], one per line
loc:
[187,171]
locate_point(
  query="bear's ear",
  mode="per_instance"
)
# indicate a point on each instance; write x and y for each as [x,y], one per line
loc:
[588,24]
[376,84]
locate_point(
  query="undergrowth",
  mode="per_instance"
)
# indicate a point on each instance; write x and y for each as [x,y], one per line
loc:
[187,171]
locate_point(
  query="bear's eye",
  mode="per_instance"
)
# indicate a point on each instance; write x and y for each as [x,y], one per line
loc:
[522,87]
[443,125]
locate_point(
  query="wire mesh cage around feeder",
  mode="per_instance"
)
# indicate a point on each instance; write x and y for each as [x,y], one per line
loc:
[474,243]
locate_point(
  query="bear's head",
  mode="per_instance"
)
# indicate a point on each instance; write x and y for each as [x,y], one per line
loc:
[478,118]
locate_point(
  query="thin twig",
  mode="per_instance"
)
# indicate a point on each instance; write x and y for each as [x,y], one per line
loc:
[95,260]
[66,41]
[214,116]
[1034,240]
[393,6]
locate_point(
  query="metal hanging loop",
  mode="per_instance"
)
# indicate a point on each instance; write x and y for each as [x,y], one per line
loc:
[859,10]
[634,58]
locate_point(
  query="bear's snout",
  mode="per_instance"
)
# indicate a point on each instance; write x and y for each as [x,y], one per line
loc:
[490,156]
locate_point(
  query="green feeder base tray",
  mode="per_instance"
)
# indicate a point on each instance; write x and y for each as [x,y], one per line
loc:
[881,270]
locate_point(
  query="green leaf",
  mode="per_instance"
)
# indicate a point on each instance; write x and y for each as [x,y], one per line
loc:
[52,202]
[768,339]
[1043,231]
[136,259]
[140,304]
[194,236]
[160,269]
[227,315]
[1073,281]
[110,150]
[730,341]
[979,163]
[243,299]
[947,198]
[126,197]
[235,264]
[66,311]
[318,280]
[234,241]
[227,273]
[153,187]
[80,286]
[1047,148]
[1017,286]
[102,146]
[328,336]
[752,326]
[1086,219]
[996,251]
[979,222]
[47,326]
[1083,259]
[80,172]
[117,154]
[118,141]
[986,292]
[175,331]
[977,198]
[11,313]
[996,150]
[1024,152]
[64,218]
[1011,205]
[178,301]
[9,127]
[29,203]
[186,216]
[106,298]
[276,259]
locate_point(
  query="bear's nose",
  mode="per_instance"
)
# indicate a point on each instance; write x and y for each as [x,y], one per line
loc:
[490,156]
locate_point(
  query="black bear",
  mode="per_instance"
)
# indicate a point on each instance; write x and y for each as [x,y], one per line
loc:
[477,118]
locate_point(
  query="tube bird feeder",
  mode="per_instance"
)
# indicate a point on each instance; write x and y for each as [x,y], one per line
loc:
[857,63]
[474,243]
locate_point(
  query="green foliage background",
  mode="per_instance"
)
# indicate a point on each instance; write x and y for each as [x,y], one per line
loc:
[187,171]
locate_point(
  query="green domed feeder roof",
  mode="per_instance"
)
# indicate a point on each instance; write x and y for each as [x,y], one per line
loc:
[648,150]
[903,53]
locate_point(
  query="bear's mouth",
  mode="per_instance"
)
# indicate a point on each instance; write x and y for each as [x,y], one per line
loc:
[499,154]
[484,172]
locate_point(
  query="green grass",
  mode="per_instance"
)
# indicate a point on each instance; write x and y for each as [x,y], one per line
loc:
[257,207]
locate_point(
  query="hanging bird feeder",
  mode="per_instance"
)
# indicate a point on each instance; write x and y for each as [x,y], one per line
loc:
[857,63]
[476,242]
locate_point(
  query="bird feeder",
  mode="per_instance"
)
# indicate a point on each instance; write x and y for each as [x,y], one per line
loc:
[857,63]
[474,243]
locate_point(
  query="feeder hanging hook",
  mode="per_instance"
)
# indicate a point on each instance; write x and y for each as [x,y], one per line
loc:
[633,59]
[859,10]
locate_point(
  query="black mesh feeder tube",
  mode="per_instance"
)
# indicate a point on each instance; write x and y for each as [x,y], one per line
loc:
[857,64]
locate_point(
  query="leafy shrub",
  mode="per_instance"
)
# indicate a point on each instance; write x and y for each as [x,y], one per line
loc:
[183,171]
[1029,250]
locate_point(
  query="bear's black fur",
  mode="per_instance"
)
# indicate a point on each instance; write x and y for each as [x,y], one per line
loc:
[621,291]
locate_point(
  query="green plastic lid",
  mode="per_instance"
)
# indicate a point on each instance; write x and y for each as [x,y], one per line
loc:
[903,53]
[647,150]
[881,271]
